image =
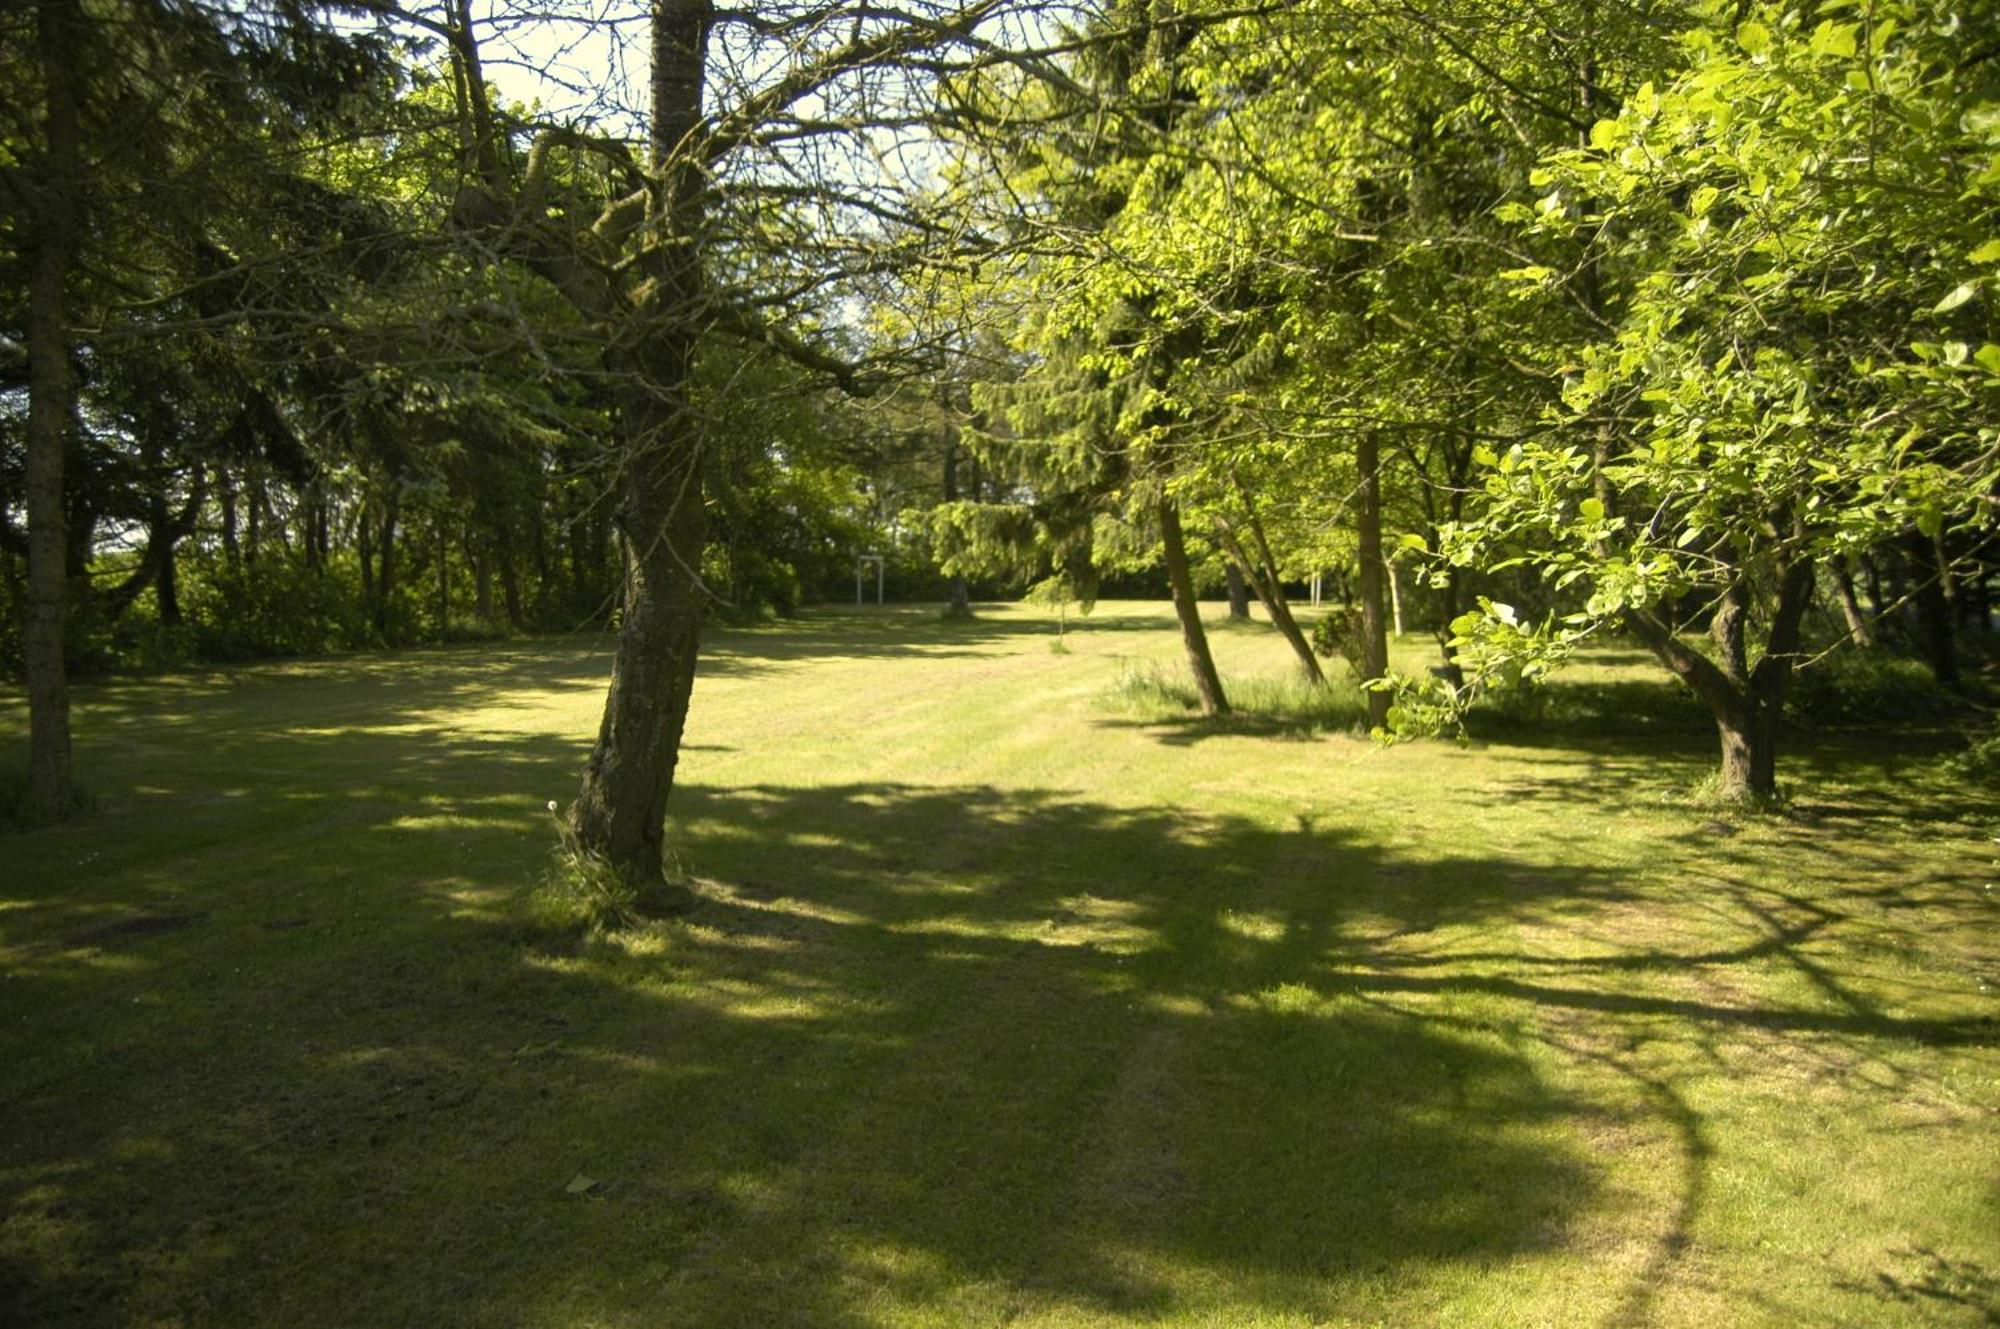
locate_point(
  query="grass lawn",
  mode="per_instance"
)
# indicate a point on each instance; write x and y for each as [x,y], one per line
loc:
[1004,1005]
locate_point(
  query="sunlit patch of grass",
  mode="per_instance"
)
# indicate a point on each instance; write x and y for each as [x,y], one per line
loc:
[1149,692]
[1003,1003]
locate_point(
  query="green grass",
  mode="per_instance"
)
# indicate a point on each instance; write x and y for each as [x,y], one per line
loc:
[1005,1004]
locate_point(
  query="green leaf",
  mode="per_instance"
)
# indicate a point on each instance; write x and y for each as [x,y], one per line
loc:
[1592,510]
[1414,541]
[1754,38]
[1604,135]
[1989,358]
[1835,39]
[1960,294]
[1986,253]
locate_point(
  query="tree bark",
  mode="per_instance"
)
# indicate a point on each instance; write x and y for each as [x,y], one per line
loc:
[958,601]
[1368,529]
[510,585]
[1936,635]
[444,579]
[225,484]
[1747,702]
[385,571]
[1207,682]
[620,812]
[1448,609]
[1262,575]
[51,408]
[1858,630]
[162,536]
[1239,592]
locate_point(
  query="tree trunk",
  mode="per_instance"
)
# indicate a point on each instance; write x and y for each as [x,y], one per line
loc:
[162,535]
[1262,575]
[958,598]
[1206,681]
[510,585]
[444,579]
[1374,628]
[1858,630]
[620,812]
[51,785]
[480,554]
[385,572]
[1448,602]
[1239,592]
[253,511]
[1935,633]
[226,501]
[1747,703]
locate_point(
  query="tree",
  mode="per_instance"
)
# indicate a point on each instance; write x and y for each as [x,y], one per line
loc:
[728,226]
[1782,230]
[128,121]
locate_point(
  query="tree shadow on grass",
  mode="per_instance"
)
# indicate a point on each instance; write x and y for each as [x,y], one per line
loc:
[966,1053]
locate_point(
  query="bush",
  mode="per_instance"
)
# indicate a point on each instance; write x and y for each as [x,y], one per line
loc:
[1979,762]
[276,607]
[1862,686]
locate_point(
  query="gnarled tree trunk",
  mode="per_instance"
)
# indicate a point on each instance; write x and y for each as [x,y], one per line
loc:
[1746,701]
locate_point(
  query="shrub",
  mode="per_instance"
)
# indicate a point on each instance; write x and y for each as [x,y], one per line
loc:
[1859,686]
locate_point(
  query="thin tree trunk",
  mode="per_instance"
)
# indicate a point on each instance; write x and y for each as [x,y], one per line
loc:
[161,535]
[51,408]
[385,573]
[480,553]
[444,579]
[1395,596]
[958,599]
[1448,602]
[253,511]
[1262,576]
[225,484]
[1374,629]
[364,554]
[1858,630]
[1207,682]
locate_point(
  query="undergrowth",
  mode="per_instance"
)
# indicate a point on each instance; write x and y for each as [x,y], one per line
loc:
[1150,693]
[579,893]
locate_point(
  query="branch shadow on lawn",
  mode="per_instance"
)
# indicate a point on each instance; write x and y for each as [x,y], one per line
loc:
[966,1052]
